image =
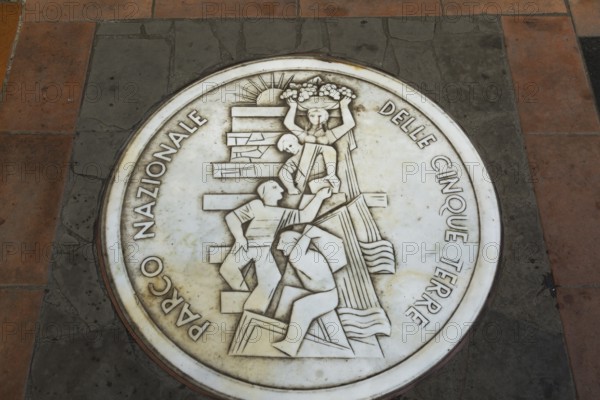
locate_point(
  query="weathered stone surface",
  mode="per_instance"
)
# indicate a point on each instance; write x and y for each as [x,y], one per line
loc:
[197,51]
[81,203]
[271,37]
[360,39]
[412,30]
[229,33]
[100,364]
[128,77]
[95,153]
[312,33]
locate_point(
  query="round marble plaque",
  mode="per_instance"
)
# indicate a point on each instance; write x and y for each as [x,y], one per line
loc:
[293,227]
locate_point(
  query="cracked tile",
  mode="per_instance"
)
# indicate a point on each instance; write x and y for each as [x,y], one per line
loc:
[229,35]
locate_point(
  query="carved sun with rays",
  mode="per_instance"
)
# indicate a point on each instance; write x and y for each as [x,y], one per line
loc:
[265,93]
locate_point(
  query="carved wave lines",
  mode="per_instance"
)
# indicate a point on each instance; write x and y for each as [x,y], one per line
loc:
[358,324]
[379,256]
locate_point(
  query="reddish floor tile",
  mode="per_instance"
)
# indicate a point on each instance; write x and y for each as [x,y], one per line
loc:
[551,86]
[586,14]
[9,20]
[85,10]
[19,310]
[505,7]
[361,8]
[226,9]
[567,186]
[33,172]
[580,314]
[44,90]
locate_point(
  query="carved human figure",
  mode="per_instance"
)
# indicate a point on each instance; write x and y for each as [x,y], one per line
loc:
[315,272]
[302,168]
[317,130]
[265,218]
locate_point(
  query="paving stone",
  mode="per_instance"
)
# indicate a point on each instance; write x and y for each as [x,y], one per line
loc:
[553,91]
[359,8]
[462,24]
[9,15]
[95,153]
[413,29]
[80,206]
[19,309]
[445,382]
[481,84]
[34,170]
[46,98]
[226,9]
[102,364]
[580,312]
[312,33]
[270,37]
[586,14]
[197,50]
[591,53]
[85,10]
[442,75]
[76,299]
[423,76]
[568,192]
[516,8]
[135,28]
[390,63]
[229,33]
[362,40]
[497,366]
[128,77]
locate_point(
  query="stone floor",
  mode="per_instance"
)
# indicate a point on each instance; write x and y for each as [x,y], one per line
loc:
[519,76]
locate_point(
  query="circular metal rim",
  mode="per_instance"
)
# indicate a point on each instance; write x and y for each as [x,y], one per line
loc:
[206,379]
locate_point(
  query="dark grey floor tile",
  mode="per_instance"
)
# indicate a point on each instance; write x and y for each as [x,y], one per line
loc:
[363,40]
[128,76]
[591,54]
[196,51]
[271,37]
